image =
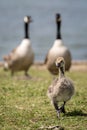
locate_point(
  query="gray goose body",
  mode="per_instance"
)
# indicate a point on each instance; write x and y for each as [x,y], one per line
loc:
[22,57]
[58,50]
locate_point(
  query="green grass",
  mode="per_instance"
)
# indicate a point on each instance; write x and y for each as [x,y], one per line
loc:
[24,104]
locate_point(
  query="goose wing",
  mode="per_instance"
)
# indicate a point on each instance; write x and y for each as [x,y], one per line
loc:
[51,87]
[8,57]
[46,58]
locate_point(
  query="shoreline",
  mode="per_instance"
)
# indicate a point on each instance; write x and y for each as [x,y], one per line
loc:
[77,65]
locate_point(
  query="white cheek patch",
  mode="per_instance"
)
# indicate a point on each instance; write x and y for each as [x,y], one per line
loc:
[26,19]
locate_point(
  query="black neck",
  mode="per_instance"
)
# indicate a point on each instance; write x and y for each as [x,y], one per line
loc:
[26,30]
[58,36]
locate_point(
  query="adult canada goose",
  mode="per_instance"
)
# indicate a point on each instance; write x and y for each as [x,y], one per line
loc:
[58,49]
[62,88]
[22,57]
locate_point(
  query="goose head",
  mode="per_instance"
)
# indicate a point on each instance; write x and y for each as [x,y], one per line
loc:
[60,64]
[27,19]
[58,17]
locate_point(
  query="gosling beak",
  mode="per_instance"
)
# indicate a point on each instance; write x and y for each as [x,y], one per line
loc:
[58,65]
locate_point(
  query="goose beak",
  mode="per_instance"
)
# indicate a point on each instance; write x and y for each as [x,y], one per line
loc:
[31,20]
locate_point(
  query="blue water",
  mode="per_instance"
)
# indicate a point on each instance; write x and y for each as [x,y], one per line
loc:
[43,28]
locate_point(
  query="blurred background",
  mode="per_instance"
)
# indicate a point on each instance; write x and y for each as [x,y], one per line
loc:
[43,27]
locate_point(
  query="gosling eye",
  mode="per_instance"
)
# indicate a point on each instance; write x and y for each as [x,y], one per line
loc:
[61,62]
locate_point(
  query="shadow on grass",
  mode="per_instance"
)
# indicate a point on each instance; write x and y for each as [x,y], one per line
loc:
[76,113]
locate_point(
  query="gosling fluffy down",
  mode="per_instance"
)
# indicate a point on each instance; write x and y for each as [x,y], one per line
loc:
[61,89]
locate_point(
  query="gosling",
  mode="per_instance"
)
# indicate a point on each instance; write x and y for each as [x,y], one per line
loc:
[62,88]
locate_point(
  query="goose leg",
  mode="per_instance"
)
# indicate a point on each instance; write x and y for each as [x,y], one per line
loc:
[57,109]
[12,73]
[62,108]
[26,73]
